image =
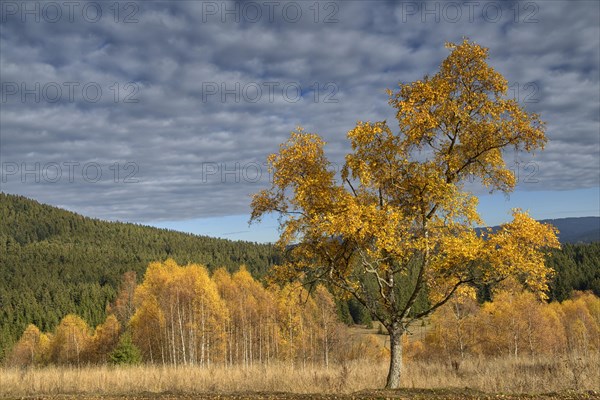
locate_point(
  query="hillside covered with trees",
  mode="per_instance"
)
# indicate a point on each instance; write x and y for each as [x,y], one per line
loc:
[54,262]
[185,316]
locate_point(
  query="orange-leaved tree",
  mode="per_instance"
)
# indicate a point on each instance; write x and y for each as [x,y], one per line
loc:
[398,224]
[180,317]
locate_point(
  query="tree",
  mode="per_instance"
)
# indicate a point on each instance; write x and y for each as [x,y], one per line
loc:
[180,316]
[327,320]
[70,341]
[105,339]
[251,312]
[126,352]
[398,224]
[582,323]
[454,328]
[516,322]
[32,348]
[295,309]
[123,308]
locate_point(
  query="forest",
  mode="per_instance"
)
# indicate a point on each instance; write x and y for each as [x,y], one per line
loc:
[182,315]
[54,262]
[513,324]
[61,268]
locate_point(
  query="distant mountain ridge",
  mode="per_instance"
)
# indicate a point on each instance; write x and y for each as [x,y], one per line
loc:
[574,229]
[577,229]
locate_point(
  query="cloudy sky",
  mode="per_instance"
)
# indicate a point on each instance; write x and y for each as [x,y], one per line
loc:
[163,113]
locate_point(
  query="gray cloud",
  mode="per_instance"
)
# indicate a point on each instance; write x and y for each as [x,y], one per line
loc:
[170,144]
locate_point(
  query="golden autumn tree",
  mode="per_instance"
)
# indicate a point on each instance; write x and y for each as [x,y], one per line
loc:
[123,307]
[328,326]
[251,310]
[180,318]
[228,292]
[105,339]
[454,328]
[581,321]
[398,224]
[296,311]
[32,348]
[517,322]
[70,341]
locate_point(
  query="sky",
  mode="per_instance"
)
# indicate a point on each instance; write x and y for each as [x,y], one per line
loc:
[163,113]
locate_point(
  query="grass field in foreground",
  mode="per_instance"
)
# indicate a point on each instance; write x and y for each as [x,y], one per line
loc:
[569,377]
[413,394]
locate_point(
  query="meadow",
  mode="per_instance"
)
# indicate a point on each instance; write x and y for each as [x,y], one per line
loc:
[556,377]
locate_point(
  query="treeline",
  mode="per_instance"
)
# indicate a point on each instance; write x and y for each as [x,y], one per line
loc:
[515,323]
[185,316]
[54,262]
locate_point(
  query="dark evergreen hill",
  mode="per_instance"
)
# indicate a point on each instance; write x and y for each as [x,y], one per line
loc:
[54,262]
[577,267]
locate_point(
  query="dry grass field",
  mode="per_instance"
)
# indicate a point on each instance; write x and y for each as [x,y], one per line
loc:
[404,394]
[561,378]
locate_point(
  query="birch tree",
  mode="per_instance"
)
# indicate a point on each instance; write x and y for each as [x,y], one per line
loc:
[398,223]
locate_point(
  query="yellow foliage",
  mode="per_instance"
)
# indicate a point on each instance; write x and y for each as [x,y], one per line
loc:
[399,216]
[368,347]
[515,323]
[105,339]
[31,348]
[180,316]
[70,341]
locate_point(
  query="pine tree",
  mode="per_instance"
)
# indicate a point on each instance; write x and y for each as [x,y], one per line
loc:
[126,353]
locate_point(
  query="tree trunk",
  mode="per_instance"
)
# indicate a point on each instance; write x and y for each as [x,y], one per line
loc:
[393,379]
